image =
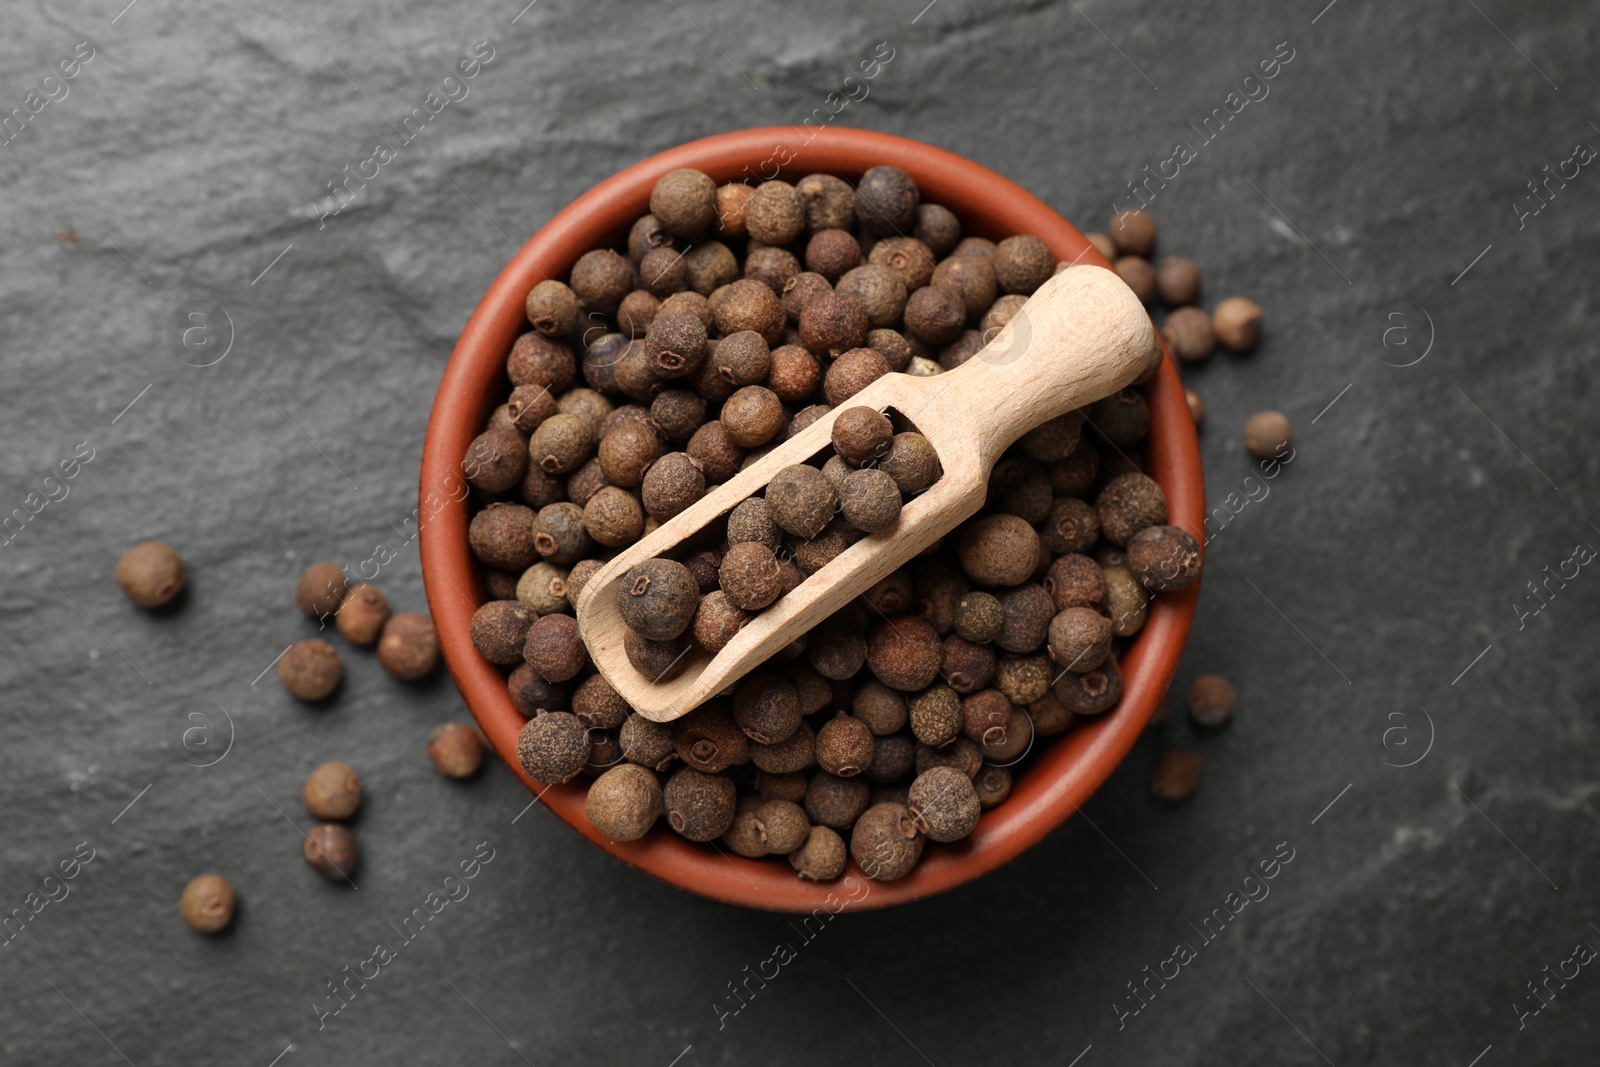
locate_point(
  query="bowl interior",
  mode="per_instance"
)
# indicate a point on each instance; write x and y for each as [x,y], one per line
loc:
[1054,781]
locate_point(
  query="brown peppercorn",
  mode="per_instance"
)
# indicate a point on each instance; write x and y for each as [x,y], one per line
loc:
[752,416]
[552,308]
[1054,439]
[330,849]
[1176,774]
[1237,323]
[636,312]
[1028,610]
[561,444]
[559,535]
[1123,418]
[1164,558]
[986,715]
[1267,434]
[837,651]
[709,740]
[1076,581]
[844,746]
[717,621]
[775,214]
[793,375]
[1022,264]
[834,801]
[207,903]
[749,305]
[151,575]
[1178,280]
[892,594]
[537,360]
[962,754]
[1127,601]
[664,272]
[869,499]
[881,709]
[912,462]
[1212,700]
[801,500]
[362,615]
[530,405]
[672,483]
[1014,745]
[1091,692]
[601,278]
[894,759]
[553,747]
[709,266]
[715,452]
[538,488]
[675,344]
[944,804]
[767,709]
[1128,504]
[408,648]
[531,694]
[1080,639]
[821,858]
[749,577]
[332,791]
[700,806]
[659,661]
[1073,526]
[626,452]
[968,667]
[1020,487]
[1049,716]
[937,227]
[501,535]
[799,290]
[598,705]
[613,517]
[804,418]
[646,743]
[936,314]
[910,260]
[500,585]
[993,786]
[831,253]
[886,842]
[684,202]
[1188,333]
[645,234]
[751,521]
[1133,232]
[790,786]
[998,549]
[455,750]
[731,201]
[554,648]
[794,753]
[320,590]
[624,802]
[1139,276]
[658,598]
[830,202]
[832,322]
[310,670]
[880,290]
[1024,679]
[978,617]
[904,653]
[499,629]
[972,277]
[677,413]
[544,588]
[886,201]
[780,826]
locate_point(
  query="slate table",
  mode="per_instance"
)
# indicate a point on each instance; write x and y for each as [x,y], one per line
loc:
[1416,728]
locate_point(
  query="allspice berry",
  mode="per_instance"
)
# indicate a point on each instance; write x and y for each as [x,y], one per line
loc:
[882,709]
[1188,333]
[408,648]
[624,802]
[886,201]
[905,653]
[775,214]
[151,575]
[1001,549]
[1176,774]
[912,462]
[1127,600]
[672,484]
[1022,264]
[1128,504]
[658,599]
[1133,232]
[700,806]
[861,435]
[978,617]
[554,648]
[207,903]
[553,747]
[936,716]
[944,805]
[560,445]
[1164,558]
[821,858]
[831,253]
[332,791]
[362,615]
[852,372]
[832,322]
[310,670]
[749,305]
[495,461]
[767,709]
[709,740]
[601,278]
[1237,323]
[647,743]
[626,452]
[885,842]
[993,786]
[613,517]
[1178,280]
[986,716]
[752,416]
[869,499]
[659,661]
[834,801]
[675,343]
[1076,581]
[321,589]
[684,202]
[1267,434]
[749,576]
[1197,406]
[782,826]
[881,292]
[732,199]
[795,753]
[844,746]
[1139,276]
[552,308]
[1093,691]
[1212,700]
[499,628]
[1080,639]
[801,500]
[455,750]
[330,849]
[936,314]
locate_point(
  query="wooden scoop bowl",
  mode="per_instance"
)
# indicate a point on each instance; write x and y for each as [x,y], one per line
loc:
[1082,336]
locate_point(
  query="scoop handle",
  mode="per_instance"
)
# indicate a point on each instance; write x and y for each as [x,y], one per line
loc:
[1082,335]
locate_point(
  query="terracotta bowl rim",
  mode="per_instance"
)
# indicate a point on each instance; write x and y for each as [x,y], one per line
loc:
[1056,780]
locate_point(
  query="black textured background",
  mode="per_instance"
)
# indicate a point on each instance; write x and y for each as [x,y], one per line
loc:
[1374,590]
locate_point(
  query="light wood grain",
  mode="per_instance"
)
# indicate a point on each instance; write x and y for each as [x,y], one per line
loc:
[1082,336]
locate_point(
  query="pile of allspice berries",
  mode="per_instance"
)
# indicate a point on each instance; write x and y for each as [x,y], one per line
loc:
[736,316]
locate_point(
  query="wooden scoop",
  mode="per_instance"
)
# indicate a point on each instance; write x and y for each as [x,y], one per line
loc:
[1081,337]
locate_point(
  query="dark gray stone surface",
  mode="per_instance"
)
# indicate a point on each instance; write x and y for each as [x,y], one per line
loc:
[1368,601]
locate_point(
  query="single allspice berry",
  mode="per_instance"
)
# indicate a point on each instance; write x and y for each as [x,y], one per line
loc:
[207,903]
[330,849]
[555,649]
[767,709]
[999,549]
[1022,263]
[495,461]
[151,575]
[1176,774]
[1128,504]
[1164,558]
[844,746]
[869,499]
[886,842]
[1139,275]
[801,500]
[1237,323]
[658,599]
[912,462]
[886,201]
[553,747]
[552,308]
[1267,434]
[700,806]
[1178,280]
[936,716]
[944,804]
[455,750]
[1189,334]
[861,435]
[499,629]
[749,576]
[782,826]
[321,589]
[332,791]
[1133,232]
[624,802]
[978,617]
[1080,639]
[362,615]
[822,857]
[684,202]
[1212,700]
[408,648]
[310,670]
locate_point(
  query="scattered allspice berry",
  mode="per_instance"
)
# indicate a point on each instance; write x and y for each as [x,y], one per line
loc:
[1212,700]
[801,500]
[152,575]
[1140,276]
[1188,333]
[362,615]
[310,670]
[749,576]
[1176,774]
[624,802]
[1133,232]
[207,903]
[554,648]
[1237,323]
[499,629]
[330,849]
[1267,434]
[408,648]
[456,750]
[332,791]
[1197,406]
[320,590]
[1178,281]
